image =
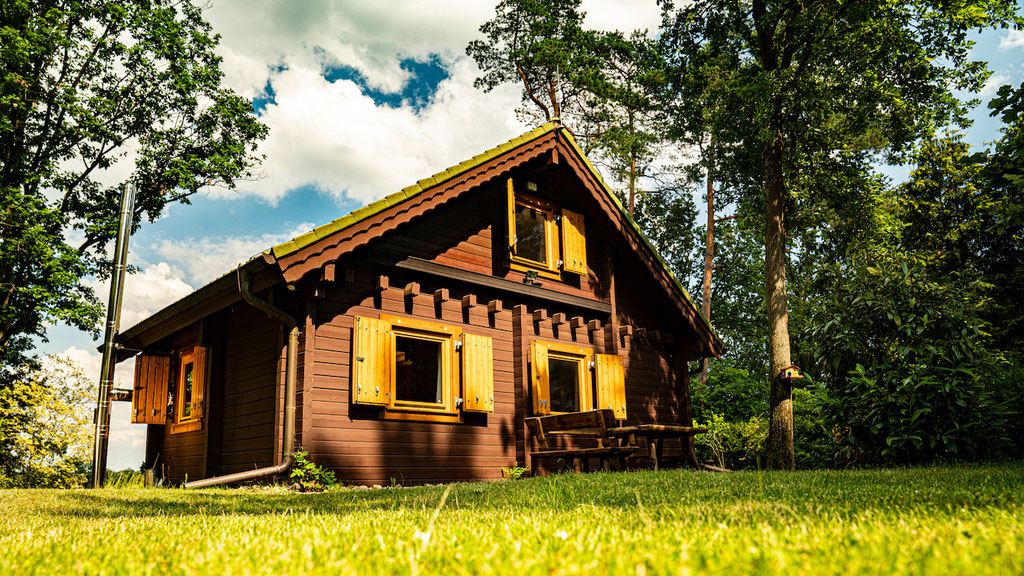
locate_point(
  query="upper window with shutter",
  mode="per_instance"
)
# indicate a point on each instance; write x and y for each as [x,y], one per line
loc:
[542,236]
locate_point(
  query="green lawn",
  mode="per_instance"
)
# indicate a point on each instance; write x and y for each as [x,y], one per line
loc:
[950,520]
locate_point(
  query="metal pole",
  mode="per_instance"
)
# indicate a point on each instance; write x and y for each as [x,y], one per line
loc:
[102,429]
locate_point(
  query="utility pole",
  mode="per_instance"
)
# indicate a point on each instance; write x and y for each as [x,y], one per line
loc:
[102,418]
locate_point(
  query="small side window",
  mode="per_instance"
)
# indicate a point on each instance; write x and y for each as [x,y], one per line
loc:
[186,396]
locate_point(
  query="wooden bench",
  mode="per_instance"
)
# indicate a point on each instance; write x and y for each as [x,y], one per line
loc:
[577,426]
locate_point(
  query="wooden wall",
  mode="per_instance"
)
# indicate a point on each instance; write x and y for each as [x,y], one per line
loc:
[246,395]
[468,234]
[240,429]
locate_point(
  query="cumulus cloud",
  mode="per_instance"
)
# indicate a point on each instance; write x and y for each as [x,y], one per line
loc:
[330,134]
[205,259]
[1012,39]
[619,15]
[146,292]
[992,85]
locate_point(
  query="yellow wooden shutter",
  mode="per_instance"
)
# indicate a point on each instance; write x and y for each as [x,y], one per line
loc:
[611,384]
[511,213]
[574,243]
[199,373]
[539,379]
[149,394]
[477,373]
[372,346]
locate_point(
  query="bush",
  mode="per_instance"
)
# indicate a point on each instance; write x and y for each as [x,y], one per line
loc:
[732,393]
[905,367]
[732,444]
[813,440]
[309,476]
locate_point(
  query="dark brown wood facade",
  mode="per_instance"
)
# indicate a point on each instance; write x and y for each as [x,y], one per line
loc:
[440,257]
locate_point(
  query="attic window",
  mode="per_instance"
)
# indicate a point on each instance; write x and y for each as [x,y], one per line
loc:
[543,237]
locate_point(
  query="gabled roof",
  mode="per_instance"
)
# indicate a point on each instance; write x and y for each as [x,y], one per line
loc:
[284,255]
[321,232]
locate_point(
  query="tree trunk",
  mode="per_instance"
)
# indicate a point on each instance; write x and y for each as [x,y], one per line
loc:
[779,447]
[709,253]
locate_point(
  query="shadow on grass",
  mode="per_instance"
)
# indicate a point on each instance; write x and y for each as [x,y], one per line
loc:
[943,490]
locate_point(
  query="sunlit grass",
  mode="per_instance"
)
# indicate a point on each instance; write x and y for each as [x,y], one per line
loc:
[949,520]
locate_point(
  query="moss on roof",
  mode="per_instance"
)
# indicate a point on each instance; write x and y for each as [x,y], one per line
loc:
[321,232]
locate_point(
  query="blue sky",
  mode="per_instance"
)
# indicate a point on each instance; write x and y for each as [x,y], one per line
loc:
[362,99]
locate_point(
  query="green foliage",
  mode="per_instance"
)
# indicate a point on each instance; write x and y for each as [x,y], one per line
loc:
[124,479]
[904,362]
[732,444]
[45,431]
[515,472]
[731,393]
[79,80]
[814,442]
[1002,236]
[538,44]
[312,477]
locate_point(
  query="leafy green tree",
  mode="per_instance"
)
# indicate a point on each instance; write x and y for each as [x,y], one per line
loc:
[85,85]
[45,431]
[814,83]
[541,45]
[904,358]
[622,106]
[1002,235]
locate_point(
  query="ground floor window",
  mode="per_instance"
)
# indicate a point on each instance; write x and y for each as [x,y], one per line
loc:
[560,375]
[421,370]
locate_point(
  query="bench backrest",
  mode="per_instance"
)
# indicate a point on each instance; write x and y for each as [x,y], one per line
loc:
[592,424]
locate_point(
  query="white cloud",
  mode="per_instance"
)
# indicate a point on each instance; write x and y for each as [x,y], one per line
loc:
[205,259]
[621,15]
[1012,39]
[146,292]
[992,85]
[333,136]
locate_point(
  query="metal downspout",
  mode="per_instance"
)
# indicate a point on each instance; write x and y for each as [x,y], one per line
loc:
[289,393]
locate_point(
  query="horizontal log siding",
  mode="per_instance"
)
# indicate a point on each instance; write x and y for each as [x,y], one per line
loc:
[251,374]
[182,455]
[356,441]
[469,234]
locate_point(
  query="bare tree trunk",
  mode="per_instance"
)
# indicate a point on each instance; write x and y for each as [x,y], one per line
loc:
[709,253]
[779,446]
[632,185]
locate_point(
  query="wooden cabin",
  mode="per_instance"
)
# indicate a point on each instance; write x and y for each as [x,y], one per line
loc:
[431,323]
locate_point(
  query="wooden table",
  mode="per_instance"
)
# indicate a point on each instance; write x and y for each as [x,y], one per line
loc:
[656,434]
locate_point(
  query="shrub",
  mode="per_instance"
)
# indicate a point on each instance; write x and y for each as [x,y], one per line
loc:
[309,476]
[732,393]
[732,444]
[905,367]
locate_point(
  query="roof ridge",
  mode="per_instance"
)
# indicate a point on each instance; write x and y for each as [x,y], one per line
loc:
[636,227]
[364,212]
